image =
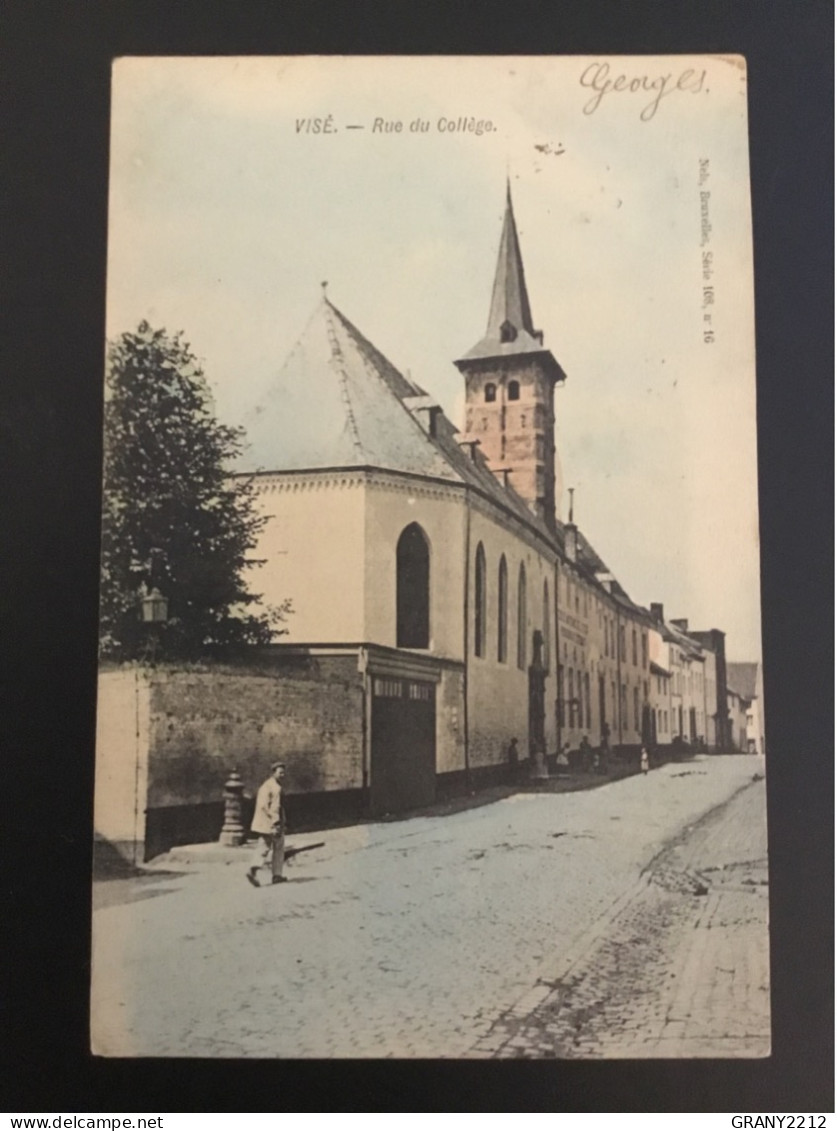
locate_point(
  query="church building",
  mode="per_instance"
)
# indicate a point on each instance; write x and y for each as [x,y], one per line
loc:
[429,566]
[447,626]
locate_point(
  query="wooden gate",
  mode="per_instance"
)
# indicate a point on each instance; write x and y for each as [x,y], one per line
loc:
[403,745]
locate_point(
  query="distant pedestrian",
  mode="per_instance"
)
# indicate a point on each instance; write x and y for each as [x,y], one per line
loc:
[562,762]
[585,754]
[643,760]
[269,823]
[514,759]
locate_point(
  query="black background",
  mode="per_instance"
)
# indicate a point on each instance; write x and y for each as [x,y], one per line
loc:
[55,71]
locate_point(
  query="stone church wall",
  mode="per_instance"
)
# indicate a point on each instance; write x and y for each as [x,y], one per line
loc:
[498,691]
[394,503]
[312,551]
[450,723]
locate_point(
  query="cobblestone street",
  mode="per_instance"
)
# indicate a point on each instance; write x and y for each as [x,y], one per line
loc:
[628,920]
[683,967]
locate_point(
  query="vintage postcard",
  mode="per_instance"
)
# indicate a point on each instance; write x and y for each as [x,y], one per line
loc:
[430,711]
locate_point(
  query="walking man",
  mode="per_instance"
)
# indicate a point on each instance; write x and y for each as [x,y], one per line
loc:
[269,823]
[643,760]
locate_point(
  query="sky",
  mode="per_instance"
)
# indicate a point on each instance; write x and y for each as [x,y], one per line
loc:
[227,213]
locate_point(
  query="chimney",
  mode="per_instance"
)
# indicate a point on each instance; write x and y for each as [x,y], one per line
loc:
[682,624]
[425,411]
[472,446]
[605,579]
[502,474]
[571,532]
[657,611]
[571,541]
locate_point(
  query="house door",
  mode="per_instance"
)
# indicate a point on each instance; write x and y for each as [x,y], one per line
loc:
[403,741]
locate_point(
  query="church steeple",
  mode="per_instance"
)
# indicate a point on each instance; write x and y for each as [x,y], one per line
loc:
[509,383]
[510,310]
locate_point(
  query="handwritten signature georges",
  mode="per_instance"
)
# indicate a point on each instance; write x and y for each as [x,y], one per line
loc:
[598,78]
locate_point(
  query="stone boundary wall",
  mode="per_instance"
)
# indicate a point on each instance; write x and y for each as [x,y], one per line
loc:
[195,725]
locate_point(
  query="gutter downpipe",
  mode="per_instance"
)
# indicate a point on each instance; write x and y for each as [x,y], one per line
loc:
[619,673]
[558,712]
[363,665]
[466,626]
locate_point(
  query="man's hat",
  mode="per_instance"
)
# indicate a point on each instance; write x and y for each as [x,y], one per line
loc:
[276,765]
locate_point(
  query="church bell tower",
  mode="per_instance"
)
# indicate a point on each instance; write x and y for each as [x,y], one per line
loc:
[509,383]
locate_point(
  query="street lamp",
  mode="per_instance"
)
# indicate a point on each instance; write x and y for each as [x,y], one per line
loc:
[154,607]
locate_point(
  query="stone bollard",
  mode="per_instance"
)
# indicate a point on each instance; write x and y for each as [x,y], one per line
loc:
[233,829]
[538,767]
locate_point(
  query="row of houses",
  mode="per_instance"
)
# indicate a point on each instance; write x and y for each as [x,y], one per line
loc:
[446,619]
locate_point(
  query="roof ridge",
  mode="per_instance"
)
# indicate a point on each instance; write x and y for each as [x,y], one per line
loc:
[340,365]
[375,372]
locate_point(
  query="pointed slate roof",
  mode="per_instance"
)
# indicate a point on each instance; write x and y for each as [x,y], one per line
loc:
[510,331]
[338,402]
[741,678]
[509,298]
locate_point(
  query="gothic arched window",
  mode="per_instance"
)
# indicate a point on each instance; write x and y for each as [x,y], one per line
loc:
[412,590]
[490,393]
[514,390]
[479,602]
[503,612]
[521,617]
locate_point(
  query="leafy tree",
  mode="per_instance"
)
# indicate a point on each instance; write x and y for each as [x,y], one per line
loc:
[173,516]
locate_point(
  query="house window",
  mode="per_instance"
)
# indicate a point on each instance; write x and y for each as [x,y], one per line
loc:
[636,708]
[503,612]
[561,717]
[479,602]
[514,392]
[633,646]
[490,393]
[546,625]
[412,589]
[521,618]
[571,697]
[508,332]
[644,650]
